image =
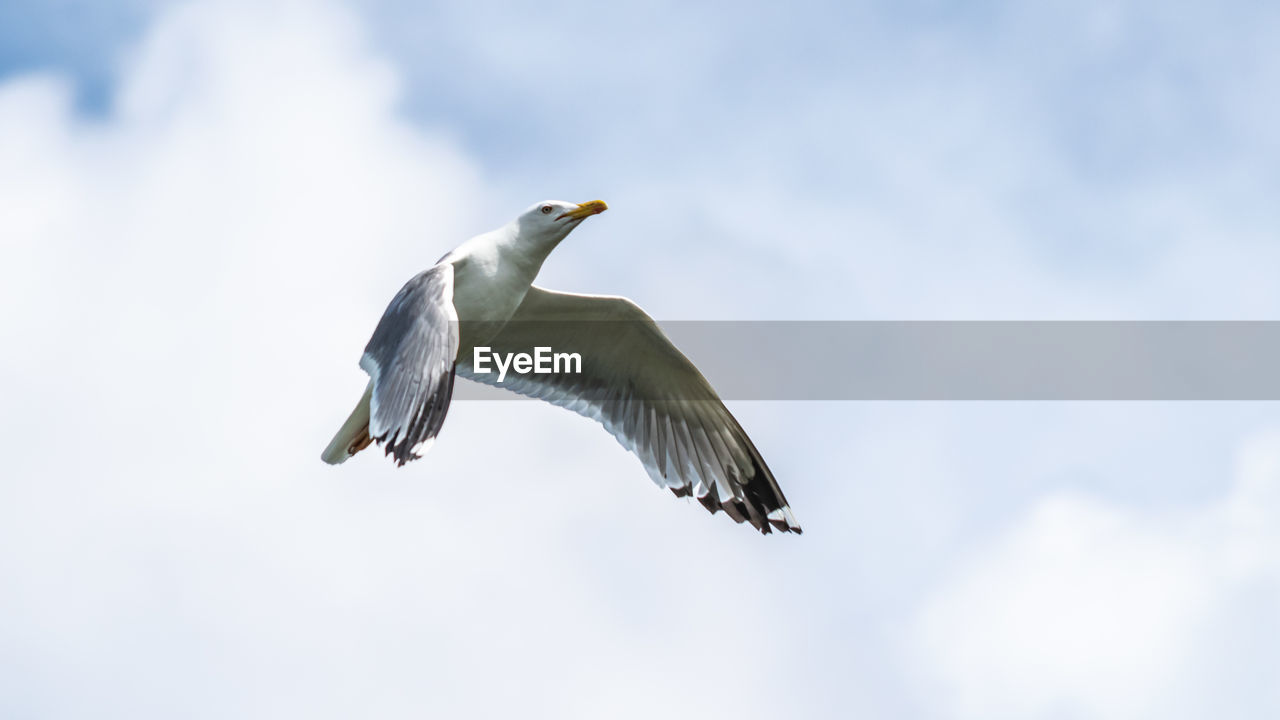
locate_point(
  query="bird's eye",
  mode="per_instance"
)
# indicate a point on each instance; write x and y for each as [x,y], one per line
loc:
[546,209]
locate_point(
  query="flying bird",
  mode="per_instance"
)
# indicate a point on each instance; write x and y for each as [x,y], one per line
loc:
[630,377]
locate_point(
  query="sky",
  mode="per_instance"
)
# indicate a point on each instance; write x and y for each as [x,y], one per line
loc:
[205,206]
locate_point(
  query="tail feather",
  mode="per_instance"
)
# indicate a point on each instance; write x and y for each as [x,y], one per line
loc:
[353,436]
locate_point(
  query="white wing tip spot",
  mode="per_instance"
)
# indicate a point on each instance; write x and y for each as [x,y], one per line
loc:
[783,515]
[421,448]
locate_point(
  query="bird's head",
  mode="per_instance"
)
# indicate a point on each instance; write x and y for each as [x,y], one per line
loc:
[551,220]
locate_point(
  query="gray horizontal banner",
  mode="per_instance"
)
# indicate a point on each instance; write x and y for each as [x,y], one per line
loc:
[928,360]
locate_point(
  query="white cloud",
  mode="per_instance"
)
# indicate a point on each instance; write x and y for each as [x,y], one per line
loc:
[188,282]
[1085,609]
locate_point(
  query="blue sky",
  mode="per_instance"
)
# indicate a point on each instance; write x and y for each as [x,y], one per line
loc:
[209,204]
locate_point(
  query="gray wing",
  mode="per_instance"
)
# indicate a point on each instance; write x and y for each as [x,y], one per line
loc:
[411,360]
[648,395]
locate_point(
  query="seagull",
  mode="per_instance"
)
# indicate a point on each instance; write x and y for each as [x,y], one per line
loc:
[629,377]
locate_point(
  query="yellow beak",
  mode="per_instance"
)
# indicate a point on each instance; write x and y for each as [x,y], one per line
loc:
[586,209]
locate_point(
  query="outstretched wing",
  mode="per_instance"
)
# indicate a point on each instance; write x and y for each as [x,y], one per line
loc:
[648,395]
[411,359]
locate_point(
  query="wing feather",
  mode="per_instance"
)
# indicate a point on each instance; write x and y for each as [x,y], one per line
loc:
[648,395]
[411,358]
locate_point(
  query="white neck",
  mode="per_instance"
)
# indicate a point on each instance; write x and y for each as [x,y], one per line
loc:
[493,271]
